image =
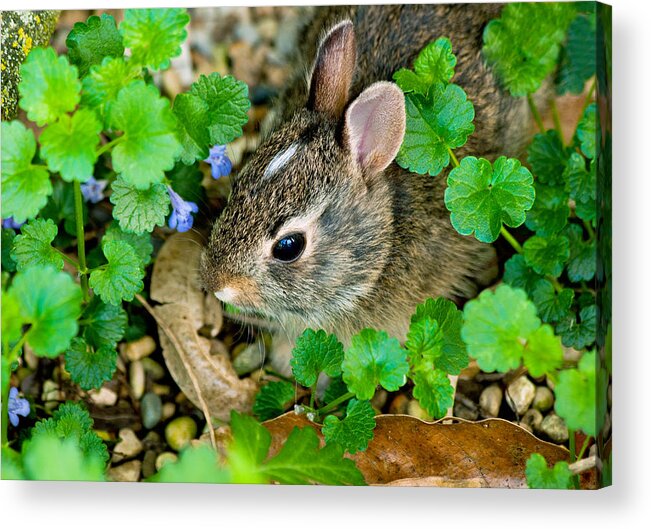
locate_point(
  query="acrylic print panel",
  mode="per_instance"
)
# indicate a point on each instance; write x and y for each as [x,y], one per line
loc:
[394,271]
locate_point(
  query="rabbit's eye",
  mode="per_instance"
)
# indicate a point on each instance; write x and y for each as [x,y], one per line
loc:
[289,248]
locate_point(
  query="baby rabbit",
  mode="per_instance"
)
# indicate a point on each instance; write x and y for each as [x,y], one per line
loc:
[322,228]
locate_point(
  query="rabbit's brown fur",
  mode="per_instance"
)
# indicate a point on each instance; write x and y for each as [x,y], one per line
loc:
[381,242]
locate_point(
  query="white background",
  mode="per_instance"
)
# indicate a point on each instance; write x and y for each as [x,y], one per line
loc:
[626,504]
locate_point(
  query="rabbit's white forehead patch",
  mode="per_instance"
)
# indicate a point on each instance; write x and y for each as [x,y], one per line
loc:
[280,160]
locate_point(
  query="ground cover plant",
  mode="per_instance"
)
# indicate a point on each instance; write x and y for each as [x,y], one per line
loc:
[101,159]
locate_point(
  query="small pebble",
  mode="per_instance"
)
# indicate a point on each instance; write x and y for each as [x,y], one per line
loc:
[250,359]
[490,401]
[129,445]
[169,408]
[164,458]
[161,389]
[463,411]
[153,368]
[137,379]
[524,425]
[180,432]
[151,410]
[555,428]
[519,394]
[532,418]
[543,400]
[399,404]
[149,464]
[103,396]
[416,410]
[129,471]
[379,399]
[140,348]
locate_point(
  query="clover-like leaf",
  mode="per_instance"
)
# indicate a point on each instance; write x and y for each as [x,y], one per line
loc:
[91,41]
[354,432]
[25,187]
[433,390]
[519,275]
[374,358]
[547,255]
[548,158]
[482,197]
[104,324]
[316,352]
[435,124]
[540,476]
[434,64]
[583,255]
[49,86]
[104,81]
[49,302]
[579,334]
[580,395]
[154,35]
[149,146]
[273,399]
[496,327]
[33,247]
[69,145]
[587,131]
[141,242]
[211,113]
[90,367]
[139,211]
[550,210]
[122,277]
[552,307]
[523,44]
[543,352]
[578,62]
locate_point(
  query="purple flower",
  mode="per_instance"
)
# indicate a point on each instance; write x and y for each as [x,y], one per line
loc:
[220,165]
[181,217]
[93,190]
[17,406]
[11,223]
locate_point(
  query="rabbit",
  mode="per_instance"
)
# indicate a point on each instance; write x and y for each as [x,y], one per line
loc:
[322,228]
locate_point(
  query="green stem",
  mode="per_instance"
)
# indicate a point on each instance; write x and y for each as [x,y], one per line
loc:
[68,259]
[455,162]
[575,479]
[589,229]
[507,235]
[557,286]
[108,146]
[536,114]
[81,242]
[557,120]
[583,448]
[335,403]
[312,395]
[588,98]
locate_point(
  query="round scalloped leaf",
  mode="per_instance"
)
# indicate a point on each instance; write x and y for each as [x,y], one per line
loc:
[540,476]
[33,247]
[552,307]
[354,432]
[88,367]
[550,210]
[434,64]
[25,187]
[583,255]
[578,63]
[583,183]
[543,352]
[548,158]
[89,42]
[579,334]
[316,352]
[103,324]
[273,399]
[481,197]
[49,86]
[101,86]
[141,242]
[519,275]
[122,277]
[588,133]
[139,211]
[154,35]
[547,255]
[433,390]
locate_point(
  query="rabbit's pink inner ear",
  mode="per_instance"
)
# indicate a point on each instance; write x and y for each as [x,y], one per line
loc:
[333,70]
[375,126]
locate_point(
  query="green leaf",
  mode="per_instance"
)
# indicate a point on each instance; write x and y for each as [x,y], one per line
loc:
[539,476]
[90,367]
[588,133]
[248,449]
[149,147]
[547,255]
[496,327]
[519,275]
[337,388]
[69,145]
[122,277]
[11,325]
[434,64]
[550,210]
[154,35]
[300,462]
[139,211]
[524,43]
[543,352]
[89,42]
[49,86]
[212,112]
[580,395]
[583,183]
[101,86]
[50,302]
[273,399]
[61,207]
[552,307]
[354,432]
[583,255]
[435,124]
[373,358]
[578,63]
[141,242]
[104,324]
[316,352]
[33,247]
[25,187]
[8,238]
[579,334]
[433,390]
[548,158]
[196,464]
[442,346]
[481,198]
[186,181]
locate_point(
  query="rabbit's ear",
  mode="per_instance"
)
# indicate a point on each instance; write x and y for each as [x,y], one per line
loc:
[375,126]
[333,70]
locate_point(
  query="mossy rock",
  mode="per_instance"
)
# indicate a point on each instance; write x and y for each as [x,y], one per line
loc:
[22,31]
